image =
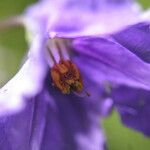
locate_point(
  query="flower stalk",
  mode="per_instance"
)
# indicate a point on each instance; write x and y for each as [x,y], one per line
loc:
[11,22]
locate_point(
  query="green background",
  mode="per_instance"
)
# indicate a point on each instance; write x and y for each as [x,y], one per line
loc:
[12,50]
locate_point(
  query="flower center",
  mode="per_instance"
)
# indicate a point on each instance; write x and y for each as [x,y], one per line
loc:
[66,76]
[64,73]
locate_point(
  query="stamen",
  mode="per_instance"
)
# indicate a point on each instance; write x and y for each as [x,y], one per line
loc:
[59,49]
[62,48]
[51,55]
[83,94]
[56,50]
[66,77]
[87,94]
[64,73]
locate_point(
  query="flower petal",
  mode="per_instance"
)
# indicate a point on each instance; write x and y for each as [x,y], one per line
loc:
[17,130]
[54,120]
[84,16]
[136,38]
[134,108]
[27,82]
[103,59]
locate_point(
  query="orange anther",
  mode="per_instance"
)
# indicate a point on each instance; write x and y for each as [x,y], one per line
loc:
[66,77]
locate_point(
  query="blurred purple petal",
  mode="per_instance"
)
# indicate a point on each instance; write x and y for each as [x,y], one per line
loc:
[27,82]
[136,38]
[24,130]
[84,16]
[134,108]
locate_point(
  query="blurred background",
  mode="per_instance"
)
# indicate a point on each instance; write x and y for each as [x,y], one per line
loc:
[12,50]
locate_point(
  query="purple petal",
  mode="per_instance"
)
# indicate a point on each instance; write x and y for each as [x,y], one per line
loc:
[102,59]
[134,108]
[27,82]
[24,130]
[84,16]
[136,38]
[53,120]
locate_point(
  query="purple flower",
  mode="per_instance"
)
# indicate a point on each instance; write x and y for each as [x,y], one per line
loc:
[83,60]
